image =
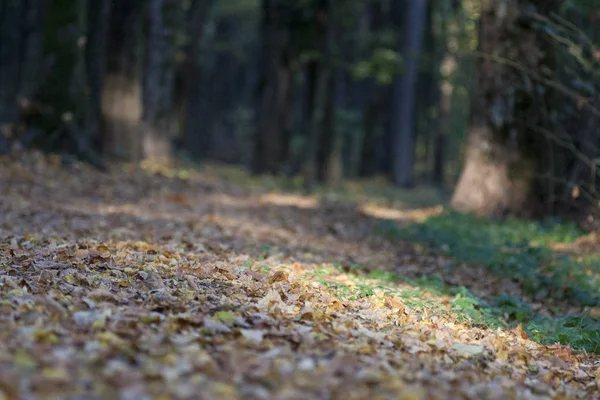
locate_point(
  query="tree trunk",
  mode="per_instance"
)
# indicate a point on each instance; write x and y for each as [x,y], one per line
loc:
[195,136]
[429,99]
[499,165]
[122,94]
[11,27]
[336,168]
[158,85]
[98,19]
[443,126]
[447,67]
[326,33]
[328,139]
[270,145]
[404,99]
[21,27]
[371,130]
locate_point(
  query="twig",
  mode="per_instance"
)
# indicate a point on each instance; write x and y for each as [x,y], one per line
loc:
[535,76]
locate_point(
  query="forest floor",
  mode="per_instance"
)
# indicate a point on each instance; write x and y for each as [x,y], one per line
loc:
[178,283]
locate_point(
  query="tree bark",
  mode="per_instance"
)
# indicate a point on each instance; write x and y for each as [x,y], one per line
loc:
[21,27]
[270,145]
[429,98]
[373,101]
[447,67]
[405,95]
[11,27]
[372,130]
[324,20]
[328,139]
[98,19]
[158,124]
[499,166]
[122,93]
[195,136]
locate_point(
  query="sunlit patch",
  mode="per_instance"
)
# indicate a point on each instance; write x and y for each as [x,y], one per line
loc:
[289,200]
[220,289]
[228,200]
[419,215]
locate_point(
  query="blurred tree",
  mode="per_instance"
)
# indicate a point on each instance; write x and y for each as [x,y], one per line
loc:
[500,161]
[21,29]
[195,135]
[159,79]
[74,44]
[98,19]
[122,93]
[446,66]
[381,72]
[323,102]
[274,105]
[402,123]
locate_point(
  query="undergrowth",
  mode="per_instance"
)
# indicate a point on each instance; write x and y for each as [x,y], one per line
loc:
[519,250]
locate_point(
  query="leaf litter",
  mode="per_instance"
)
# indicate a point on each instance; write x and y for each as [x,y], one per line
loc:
[158,285]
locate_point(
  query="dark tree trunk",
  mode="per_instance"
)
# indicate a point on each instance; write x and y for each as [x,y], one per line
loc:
[429,99]
[499,167]
[447,64]
[21,27]
[404,97]
[328,138]
[274,109]
[372,130]
[195,135]
[443,130]
[98,19]
[12,27]
[158,85]
[326,35]
[224,94]
[329,166]
[122,95]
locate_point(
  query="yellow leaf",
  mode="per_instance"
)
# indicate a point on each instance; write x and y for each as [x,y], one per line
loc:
[225,317]
[81,253]
[56,374]
[23,359]
[44,336]
[412,393]
[278,276]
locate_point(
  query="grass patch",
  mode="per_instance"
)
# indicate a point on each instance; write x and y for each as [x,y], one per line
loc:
[512,248]
[519,250]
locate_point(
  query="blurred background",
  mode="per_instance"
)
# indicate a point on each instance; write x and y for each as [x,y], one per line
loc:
[494,102]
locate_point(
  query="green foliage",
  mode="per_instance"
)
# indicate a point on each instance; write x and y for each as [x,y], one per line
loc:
[513,248]
[518,250]
[61,46]
[242,8]
[382,65]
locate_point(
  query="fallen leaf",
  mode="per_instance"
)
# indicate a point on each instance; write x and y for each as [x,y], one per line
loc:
[468,350]
[215,326]
[253,334]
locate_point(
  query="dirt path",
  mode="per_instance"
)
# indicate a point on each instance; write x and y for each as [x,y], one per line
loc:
[138,286]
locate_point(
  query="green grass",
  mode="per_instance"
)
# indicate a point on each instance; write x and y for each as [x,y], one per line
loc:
[520,251]
[512,248]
